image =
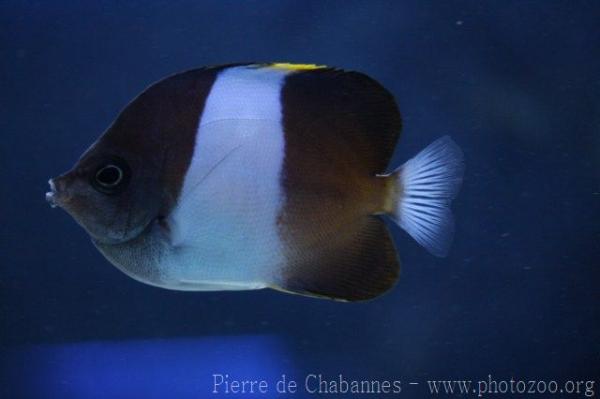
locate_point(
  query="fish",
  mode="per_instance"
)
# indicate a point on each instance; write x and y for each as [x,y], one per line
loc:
[261,175]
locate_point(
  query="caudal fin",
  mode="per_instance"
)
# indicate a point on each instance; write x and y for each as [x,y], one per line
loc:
[428,183]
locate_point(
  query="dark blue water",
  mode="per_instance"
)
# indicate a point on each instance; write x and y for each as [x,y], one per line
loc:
[516,84]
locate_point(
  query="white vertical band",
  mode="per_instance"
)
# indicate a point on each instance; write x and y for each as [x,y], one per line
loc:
[226,217]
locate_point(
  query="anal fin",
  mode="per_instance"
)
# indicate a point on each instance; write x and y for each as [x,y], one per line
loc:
[357,264]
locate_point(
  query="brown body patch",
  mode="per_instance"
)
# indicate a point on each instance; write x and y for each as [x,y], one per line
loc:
[340,132]
[159,127]
[151,142]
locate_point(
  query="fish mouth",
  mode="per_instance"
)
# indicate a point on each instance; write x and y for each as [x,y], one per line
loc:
[58,194]
[51,196]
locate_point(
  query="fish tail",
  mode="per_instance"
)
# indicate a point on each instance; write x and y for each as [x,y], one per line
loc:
[426,184]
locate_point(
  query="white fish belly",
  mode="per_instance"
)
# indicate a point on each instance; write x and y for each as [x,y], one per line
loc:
[224,227]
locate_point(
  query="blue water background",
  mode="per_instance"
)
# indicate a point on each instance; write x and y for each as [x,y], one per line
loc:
[516,84]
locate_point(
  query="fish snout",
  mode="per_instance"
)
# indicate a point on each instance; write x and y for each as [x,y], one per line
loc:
[58,194]
[51,195]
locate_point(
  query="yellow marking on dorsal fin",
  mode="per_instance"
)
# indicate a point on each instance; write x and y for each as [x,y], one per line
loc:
[295,67]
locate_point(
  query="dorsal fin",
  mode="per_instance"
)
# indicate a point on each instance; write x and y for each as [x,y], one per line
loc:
[348,109]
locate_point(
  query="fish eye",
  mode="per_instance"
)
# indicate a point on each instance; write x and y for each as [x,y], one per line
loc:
[110,177]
